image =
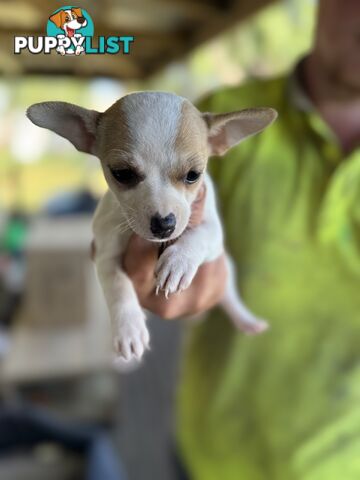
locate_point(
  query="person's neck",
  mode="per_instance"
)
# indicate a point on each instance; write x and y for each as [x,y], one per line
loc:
[338,105]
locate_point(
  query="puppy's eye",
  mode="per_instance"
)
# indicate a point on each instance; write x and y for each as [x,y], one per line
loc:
[192,176]
[67,19]
[126,176]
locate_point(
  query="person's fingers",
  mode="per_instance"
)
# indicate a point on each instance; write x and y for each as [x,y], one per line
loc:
[140,259]
[205,291]
[210,283]
[137,246]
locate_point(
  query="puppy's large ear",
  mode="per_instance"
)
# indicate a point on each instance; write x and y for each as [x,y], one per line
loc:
[228,129]
[57,18]
[75,123]
[77,11]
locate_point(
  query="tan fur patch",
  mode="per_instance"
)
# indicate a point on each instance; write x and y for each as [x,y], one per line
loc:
[192,133]
[114,141]
[191,144]
[77,12]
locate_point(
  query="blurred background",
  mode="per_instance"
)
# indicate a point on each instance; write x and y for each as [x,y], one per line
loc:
[55,353]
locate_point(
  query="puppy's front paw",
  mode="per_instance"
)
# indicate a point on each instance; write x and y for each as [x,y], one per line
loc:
[79,50]
[131,338]
[61,50]
[174,271]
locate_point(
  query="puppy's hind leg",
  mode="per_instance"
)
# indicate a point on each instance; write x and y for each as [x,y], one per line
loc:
[239,314]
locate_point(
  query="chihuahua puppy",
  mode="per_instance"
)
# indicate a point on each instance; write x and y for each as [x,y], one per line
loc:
[154,148]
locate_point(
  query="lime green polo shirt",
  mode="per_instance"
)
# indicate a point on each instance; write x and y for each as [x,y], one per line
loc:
[284,405]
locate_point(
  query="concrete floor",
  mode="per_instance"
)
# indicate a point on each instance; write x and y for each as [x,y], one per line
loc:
[144,438]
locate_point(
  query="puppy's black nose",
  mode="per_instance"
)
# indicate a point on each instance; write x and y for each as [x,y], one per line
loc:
[81,20]
[162,227]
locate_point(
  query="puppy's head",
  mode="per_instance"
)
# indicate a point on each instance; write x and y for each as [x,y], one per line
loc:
[69,20]
[153,148]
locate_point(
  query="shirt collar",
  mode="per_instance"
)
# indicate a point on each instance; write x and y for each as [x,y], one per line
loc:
[298,96]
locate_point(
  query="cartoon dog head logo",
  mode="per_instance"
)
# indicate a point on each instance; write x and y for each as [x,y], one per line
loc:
[70,24]
[69,20]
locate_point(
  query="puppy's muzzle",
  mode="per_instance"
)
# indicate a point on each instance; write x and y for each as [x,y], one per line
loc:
[162,227]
